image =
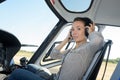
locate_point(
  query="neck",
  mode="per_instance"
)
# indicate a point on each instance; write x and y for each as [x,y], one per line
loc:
[79,43]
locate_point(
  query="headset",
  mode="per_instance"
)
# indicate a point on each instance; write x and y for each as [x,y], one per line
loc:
[86,30]
[87,22]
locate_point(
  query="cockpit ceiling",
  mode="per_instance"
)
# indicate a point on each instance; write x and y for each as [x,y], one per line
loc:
[101,12]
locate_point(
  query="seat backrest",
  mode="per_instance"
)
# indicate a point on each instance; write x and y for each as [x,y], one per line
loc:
[93,69]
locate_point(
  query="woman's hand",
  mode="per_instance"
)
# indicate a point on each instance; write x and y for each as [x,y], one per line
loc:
[69,36]
[91,28]
[66,40]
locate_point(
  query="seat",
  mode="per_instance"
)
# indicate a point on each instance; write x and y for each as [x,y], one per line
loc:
[94,67]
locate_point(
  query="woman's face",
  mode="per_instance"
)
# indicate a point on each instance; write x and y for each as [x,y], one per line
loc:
[78,31]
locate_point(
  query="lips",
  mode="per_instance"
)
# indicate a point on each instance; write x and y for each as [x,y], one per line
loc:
[75,37]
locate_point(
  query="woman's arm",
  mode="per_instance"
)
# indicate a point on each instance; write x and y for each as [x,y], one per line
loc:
[96,38]
[62,44]
[56,52]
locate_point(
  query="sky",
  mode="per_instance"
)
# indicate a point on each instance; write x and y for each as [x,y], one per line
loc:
[31,21]
[23,17]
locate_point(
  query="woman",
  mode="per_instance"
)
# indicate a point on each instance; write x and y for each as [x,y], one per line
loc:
[75,61]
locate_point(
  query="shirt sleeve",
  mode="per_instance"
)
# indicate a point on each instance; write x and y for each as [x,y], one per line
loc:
[96,41]
[56,54]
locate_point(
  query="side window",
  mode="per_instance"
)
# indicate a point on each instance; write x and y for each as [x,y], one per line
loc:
[63,33]
[110,32]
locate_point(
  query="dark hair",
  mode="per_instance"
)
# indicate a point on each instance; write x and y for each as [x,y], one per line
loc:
[87,21]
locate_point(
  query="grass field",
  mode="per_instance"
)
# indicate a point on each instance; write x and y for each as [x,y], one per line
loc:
[21,54]
[110,69]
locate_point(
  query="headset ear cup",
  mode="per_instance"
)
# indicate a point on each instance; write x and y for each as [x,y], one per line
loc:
[86,32]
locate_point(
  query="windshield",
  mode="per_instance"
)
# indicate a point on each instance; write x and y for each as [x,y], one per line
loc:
[29,20]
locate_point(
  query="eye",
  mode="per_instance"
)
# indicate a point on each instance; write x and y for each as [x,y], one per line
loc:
[78,28]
